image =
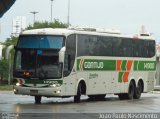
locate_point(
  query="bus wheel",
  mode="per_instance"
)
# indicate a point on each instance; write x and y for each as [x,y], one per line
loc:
[38,99]
[138,91]
[78,96]
[131,90]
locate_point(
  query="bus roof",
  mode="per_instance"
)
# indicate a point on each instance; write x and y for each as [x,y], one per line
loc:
[87,31]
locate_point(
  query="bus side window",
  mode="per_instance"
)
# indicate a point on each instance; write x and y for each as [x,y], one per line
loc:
[105,46]
[135,48]
[67,63]
[116,49]
[70,54]
[151,48]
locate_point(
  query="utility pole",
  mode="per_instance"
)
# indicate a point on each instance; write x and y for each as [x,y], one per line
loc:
[8,57]
[34,15]
[68,22]
[51,8]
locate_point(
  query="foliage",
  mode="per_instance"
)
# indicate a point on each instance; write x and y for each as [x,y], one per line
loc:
[11,41]
[4,69]
[6,88]
[55,24]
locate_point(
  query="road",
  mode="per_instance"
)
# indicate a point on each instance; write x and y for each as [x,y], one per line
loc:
[24,107]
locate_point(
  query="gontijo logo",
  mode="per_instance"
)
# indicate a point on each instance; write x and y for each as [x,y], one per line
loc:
[93,65]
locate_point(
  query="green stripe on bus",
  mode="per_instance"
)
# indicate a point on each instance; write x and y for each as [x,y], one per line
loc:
[135,65]
[78,64]
[123,66]
[120,75]
[144,65]
[110,65]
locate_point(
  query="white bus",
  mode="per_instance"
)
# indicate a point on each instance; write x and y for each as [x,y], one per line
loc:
[74,62]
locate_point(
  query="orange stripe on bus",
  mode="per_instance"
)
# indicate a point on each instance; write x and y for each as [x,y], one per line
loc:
[125,76]
[129,65]
[118,65]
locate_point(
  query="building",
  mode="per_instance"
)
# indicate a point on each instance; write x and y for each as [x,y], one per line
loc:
[19,24]
[1,48]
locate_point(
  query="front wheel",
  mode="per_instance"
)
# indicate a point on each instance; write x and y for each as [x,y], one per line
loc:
[131,90]
[38,99]
[130,94]
[77,97]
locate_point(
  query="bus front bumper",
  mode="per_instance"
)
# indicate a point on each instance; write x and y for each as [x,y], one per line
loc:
[34,91]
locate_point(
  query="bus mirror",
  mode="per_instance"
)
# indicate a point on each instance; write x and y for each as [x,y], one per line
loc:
[62,54]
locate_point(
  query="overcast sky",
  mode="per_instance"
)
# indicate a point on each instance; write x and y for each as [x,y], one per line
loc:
[125,15]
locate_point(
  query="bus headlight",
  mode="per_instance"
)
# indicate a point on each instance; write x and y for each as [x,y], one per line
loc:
[57,92]
[15,90]
[55,85]
[18,84]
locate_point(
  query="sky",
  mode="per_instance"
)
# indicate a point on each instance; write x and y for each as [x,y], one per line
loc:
[126,16]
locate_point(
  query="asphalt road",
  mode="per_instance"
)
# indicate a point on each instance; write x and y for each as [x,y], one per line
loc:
[23,107]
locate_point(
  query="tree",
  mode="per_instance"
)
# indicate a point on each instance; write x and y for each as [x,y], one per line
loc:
[11,41]
[55,24]
[3,69]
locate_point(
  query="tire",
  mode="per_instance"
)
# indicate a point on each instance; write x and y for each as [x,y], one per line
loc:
[138,91]
[38,99]
[77,97]
[131,91]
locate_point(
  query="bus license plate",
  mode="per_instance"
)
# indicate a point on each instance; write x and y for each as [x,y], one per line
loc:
[34,91]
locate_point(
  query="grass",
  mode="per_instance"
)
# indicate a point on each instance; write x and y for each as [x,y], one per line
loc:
[6,88]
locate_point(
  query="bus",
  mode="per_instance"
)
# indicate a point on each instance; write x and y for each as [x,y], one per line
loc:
[65,62]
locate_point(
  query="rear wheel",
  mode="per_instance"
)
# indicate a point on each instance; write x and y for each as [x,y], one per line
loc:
[138,91]
[38,99]
[77,97]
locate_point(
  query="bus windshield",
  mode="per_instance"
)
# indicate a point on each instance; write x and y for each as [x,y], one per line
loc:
[30,63]
[40,41]
[38,57]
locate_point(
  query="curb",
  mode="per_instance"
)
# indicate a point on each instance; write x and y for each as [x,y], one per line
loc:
[157,88]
